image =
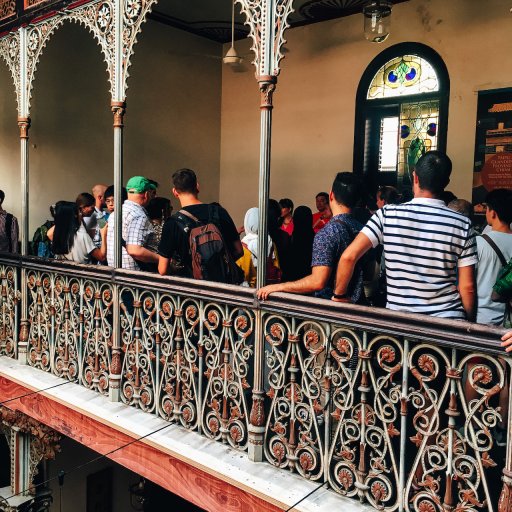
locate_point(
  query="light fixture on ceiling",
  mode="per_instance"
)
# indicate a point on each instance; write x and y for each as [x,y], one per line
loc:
[377,20]
[232,56]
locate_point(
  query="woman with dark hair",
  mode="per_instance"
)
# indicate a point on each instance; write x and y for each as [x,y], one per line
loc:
[286,220]
[301,244]
[70,238]
[281,239]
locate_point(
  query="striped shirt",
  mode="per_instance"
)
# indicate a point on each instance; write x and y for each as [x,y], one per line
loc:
[424,243]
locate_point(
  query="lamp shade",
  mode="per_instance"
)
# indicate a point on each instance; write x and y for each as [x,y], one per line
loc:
[377,20]
[232,57]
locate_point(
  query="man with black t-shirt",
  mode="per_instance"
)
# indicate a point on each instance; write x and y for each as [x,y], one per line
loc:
[174,244]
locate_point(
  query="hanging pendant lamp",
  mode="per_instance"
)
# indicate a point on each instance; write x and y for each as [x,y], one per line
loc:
[377,20]
[231,58]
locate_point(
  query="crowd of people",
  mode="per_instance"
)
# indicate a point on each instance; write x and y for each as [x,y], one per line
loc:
[419,256]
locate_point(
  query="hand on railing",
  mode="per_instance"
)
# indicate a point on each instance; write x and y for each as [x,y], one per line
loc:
[506,341]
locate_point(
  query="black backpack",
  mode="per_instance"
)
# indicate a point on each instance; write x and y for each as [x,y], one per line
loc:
[211,259]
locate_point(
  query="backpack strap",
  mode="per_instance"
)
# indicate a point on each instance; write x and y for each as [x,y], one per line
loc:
[495,248]
[189,215]
[8,229]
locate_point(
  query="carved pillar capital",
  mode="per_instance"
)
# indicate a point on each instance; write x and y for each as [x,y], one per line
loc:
[24,124]
[267,87]
[118,109]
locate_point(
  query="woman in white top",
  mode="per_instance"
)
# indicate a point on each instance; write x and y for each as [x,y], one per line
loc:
[71,241]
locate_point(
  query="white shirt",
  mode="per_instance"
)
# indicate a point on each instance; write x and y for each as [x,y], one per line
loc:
[424,243]
[82,248]
[489,266]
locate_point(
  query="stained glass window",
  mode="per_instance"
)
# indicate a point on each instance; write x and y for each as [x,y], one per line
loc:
[403,76]
[401,114]
[419,121]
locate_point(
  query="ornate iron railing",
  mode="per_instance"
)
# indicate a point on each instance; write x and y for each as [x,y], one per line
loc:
[9,311]
[401,411]
[396,415]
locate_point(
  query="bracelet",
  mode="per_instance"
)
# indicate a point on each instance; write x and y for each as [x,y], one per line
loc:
[339,296]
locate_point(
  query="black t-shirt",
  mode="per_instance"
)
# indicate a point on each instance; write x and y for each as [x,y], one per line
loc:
[175,242]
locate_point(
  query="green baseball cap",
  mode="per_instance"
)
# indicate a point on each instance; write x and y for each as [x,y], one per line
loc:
[138,185]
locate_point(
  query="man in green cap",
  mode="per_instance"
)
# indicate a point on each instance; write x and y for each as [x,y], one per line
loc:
[138,233]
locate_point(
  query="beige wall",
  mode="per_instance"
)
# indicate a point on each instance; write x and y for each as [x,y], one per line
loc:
[9,143]
[172,121]
[315,99]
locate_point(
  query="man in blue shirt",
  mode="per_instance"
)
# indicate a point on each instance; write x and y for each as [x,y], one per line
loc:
[328,246]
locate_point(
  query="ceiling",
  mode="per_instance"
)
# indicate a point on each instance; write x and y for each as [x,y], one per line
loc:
[212,18]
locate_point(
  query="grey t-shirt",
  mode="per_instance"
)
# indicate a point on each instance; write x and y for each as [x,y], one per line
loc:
[488,268]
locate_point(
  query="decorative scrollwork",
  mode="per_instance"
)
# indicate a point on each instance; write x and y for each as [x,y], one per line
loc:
[41,314]
[138,337]
[9,51]
[227,354]
[70,328]
[179,333]
[9,300]
[366,400]
[456,398]
[295,357]
[96,318]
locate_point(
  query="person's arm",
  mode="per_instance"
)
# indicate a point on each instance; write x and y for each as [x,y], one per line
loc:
[237,250]
[351,255]
[230,234]
[101,253]
[50,232]
[15,236]
[467,290]
[506,341]
[139,253]
[316,281]
[163,265]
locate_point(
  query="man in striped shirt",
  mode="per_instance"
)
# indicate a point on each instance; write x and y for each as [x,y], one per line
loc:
[427,248]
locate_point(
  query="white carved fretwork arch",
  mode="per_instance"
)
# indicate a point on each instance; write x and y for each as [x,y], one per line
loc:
[10,53]
[97,17]
[263,16]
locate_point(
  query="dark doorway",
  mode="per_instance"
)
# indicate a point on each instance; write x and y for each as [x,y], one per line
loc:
[5,462]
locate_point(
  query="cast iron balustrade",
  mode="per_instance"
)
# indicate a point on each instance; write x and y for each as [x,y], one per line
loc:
[399,411]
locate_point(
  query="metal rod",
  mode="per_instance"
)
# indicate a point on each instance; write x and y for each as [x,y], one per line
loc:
[403,427]
[24,125]
[264,181]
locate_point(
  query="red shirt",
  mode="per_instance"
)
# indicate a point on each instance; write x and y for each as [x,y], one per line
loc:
[319,222]
[287,228]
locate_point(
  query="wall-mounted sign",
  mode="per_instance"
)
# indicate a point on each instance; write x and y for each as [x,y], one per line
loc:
[493,146]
